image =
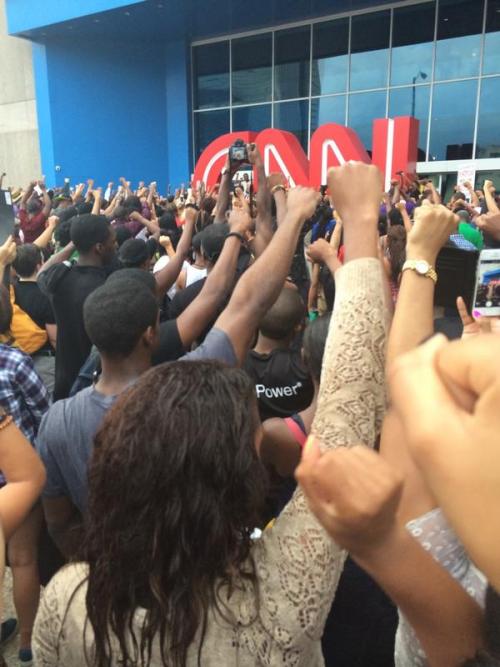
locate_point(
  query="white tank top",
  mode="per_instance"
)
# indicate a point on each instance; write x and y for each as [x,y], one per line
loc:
[193,274]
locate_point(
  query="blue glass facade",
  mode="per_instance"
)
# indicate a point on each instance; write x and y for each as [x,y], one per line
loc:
[432,59]
[153,82]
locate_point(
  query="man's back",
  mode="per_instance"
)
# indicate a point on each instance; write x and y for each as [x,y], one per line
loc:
[65,442]
[282,384]
[68,286]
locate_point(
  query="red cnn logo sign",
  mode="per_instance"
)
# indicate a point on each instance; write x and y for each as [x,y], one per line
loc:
[395,142]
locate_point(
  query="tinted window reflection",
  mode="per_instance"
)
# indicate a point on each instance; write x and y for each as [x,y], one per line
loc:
[458,48]
[412,42]
[293,116]
[491,62]
[211,75]
[488,133]
[369,50]
[292,63]
[413,101]
[208,125]
[252,118]
[327,110]
[330,59]
[452,122]
[251,69]
[364,108]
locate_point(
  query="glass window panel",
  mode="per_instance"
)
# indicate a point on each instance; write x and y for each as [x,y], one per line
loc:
[330,57]
[413,101]
[292,63]
[327,110]
[364,108]
[491,59]
[208,125]
[294,117]
[488,134]
[251,69]
[252,118]
[211,75]
[452,121]
[458,48]
[412,43]
[369,50]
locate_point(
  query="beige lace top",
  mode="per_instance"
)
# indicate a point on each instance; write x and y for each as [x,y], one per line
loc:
[298,565]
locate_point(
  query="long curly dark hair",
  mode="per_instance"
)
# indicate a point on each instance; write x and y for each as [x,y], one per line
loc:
[175,490]
[396,245]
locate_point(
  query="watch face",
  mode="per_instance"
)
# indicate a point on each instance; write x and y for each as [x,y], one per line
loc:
[422,267]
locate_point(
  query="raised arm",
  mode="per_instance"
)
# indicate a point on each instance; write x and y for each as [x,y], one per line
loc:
[224,191]
[264,222]
[218,285]
[78,193]
[62,256]
[355,496]
[436,197]
[27,195]
[96,208]
[474,199]
[351,404]
[451,420]
[401,206]
[151,225]
[46,236]
[168,275]
[278,192]
[489,195]
[414,317]
[25,477]
[47,202]
[253,295]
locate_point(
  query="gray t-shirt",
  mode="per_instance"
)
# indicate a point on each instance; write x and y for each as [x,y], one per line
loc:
[66,435]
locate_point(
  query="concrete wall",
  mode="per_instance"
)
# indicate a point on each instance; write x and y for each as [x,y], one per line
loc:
[19,147]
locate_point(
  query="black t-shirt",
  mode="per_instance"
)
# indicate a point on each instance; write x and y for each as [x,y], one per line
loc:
[282,384]
[34,302]
[170,347]
[184,298]
[68,286]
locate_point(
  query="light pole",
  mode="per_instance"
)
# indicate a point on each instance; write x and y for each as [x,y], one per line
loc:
[420,75]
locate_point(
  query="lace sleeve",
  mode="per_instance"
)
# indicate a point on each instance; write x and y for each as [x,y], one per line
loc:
[298,565]
[48,626]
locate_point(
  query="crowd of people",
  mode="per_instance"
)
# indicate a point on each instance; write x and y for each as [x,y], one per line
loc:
[229,435]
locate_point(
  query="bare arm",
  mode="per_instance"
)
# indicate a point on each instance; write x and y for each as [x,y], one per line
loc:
[218,285]
[51,330]
[436,197]
[355,496]
[151,225]
[414,318]
[96,208]
[254,296]
[474,199]
[401,206]
[264,222]
[26,195]
[489,189]
[47,202]
[25,475]
[78,194]
[46,236]
[278,191]
[62,256]
[224,192]
[167,276]
[64,523]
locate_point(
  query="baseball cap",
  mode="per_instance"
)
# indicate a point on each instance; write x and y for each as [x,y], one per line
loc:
[212,240]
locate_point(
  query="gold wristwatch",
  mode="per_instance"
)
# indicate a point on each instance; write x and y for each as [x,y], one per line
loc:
[422,267]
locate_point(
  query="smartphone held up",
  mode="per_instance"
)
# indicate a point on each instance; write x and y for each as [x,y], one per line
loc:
[487,293]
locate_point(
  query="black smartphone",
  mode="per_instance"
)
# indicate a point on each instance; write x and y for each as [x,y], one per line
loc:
[7,217]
